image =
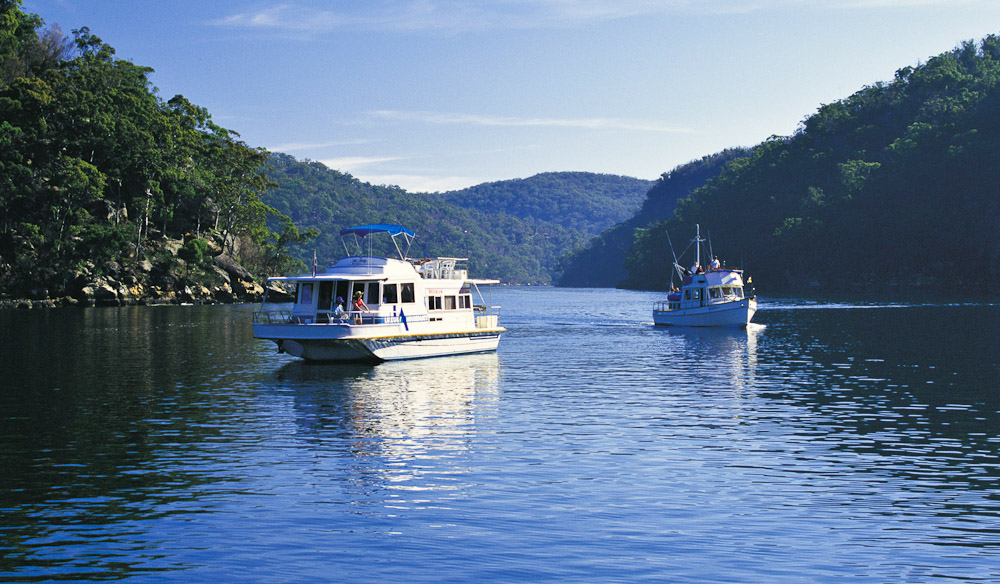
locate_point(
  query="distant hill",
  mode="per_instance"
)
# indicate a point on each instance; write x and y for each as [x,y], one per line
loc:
[514,231]
[894,188]
[582,201]
[601,263]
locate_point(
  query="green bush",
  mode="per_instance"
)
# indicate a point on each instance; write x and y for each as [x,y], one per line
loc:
[193,252]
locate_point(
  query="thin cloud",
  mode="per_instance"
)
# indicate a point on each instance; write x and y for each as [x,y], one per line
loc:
[458,16]
[536,122]
[902,3]
[297,146]
[447,15]
[416,183]
[285,17]
[352,163]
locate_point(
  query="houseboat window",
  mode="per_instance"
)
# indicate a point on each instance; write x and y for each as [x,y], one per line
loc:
[695,294]
[449,303]
[738,292]
[325,295]
[465,301]
[389,294]
[406,292]
[434,302]
[305,294]
[373,296]
[687,295]
[714,292]
[357,287]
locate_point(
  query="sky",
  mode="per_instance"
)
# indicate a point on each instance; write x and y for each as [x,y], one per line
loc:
[437,95]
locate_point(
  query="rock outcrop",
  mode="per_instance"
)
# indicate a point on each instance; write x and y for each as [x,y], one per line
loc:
[218,278]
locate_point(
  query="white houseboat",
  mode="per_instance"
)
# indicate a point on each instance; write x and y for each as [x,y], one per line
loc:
[707,297]
[372,308]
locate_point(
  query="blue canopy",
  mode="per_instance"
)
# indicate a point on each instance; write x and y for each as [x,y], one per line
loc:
[363,230]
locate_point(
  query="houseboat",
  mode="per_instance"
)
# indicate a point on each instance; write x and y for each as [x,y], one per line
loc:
[367,307]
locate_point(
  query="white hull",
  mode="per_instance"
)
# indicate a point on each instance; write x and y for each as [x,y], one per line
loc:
[314,345]
[724,314]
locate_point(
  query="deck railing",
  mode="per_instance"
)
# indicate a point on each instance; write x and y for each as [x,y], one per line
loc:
[485,317]
[328,317]
[272,316]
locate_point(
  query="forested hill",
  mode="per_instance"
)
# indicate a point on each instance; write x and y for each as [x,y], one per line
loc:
[580,201]
[896,186]
[111,194]
[602,262]
[516,249]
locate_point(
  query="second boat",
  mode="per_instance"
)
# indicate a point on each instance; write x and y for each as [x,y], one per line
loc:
[707,297]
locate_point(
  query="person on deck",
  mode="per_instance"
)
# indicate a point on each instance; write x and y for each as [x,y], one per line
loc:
[359,304]
[338,311]
[715,265]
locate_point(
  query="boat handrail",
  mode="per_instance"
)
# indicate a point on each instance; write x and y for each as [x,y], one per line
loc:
[354,317]
[272,316]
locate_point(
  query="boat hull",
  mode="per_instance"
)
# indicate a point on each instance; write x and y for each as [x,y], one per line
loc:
[725,314]
[388,348]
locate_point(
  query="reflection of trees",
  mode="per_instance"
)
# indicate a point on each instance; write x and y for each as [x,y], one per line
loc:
[111,416]
[911,391]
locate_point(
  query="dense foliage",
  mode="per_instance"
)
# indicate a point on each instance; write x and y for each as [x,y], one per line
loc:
[94,166]
[513,249]
[896,185]
[601,263]
[581,201]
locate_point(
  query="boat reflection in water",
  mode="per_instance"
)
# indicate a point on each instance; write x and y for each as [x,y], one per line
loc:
[724,355]
[396,421]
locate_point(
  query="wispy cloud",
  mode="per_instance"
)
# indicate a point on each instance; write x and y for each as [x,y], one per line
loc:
[539,122]
[374,170]
[441,15]
[901,3]
[457,16]
[461,16]
[416,183]
[352,163]
[299,146]
[285,17]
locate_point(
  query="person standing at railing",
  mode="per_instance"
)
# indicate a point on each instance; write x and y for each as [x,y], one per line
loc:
[359,305]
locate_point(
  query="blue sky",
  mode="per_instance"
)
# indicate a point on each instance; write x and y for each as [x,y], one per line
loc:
[442,94]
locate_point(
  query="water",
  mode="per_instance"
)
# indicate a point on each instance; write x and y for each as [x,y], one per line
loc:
[828,442]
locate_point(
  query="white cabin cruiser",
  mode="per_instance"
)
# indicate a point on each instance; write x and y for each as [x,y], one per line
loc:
[408,308]
[712,297]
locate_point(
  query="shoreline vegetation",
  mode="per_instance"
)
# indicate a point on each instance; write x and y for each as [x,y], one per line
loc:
[111,195]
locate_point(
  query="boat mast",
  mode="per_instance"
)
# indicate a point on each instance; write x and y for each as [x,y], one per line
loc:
[697,244]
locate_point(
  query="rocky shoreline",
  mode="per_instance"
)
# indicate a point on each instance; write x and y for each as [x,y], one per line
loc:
[217,279]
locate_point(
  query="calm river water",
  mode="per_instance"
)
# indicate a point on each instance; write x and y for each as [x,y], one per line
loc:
[826,443]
